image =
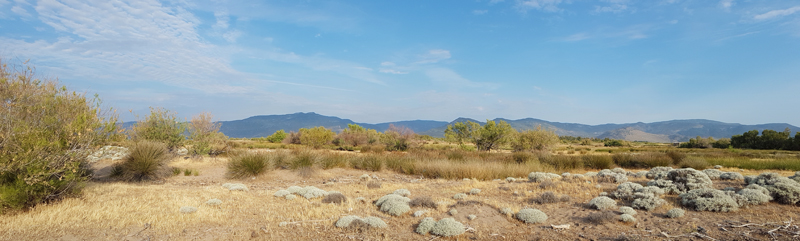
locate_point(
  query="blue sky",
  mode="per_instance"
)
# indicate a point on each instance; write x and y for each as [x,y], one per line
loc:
[591,62]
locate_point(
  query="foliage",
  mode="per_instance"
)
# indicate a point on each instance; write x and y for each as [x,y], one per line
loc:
[447,227]
[277,137]
[707,199]
[247,165]
[627,218]
[601,217]
[160,125]
[424,201]
[768,140]
[602,203]
[336,198]
[531,215]
[397,138]
[425,226]
[612,142]
[485,138]
[682,180]
[537,139]
[205,135]
[355,135]
[147,160]
[46,133]
[316,137]
[675,213]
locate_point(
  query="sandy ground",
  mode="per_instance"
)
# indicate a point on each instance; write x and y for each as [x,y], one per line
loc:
[110,210]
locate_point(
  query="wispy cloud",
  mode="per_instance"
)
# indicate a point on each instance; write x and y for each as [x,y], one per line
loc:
[777,13]
[631,33]
[613,6]
[434,56]
[726,4]
[543,5]
[480,11]
[738,36]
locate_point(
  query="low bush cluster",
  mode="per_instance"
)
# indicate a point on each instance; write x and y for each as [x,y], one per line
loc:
[682,180]
[612,176]
[447,227]
[247,164]
[707,199]
[675,213]
[549,197]
[782,189]
[146,161]
[394,204]
[531,215]
[356,222]
[602,203]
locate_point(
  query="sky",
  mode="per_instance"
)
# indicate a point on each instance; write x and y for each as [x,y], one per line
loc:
[590,62]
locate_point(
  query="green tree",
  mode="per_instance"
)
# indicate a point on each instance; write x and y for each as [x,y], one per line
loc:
[746,140]
[46,133]
[161,125]
[316,137]
[773,140]
[397,138]
[536,139]
[485,138]
[277,137]
[355,135]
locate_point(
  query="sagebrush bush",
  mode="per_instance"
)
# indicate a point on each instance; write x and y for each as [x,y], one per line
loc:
[658,172]
[646,201]
[611,176]
[627,218]
[626,190]
[675,213]
[601,217]
[402,192]
[708,199]
[602,203]
[281,193]
[754,196]
[373,184]
[682,180]
[453,211]
[290,197]
[235,186]
[627,210]
[531,215]
[731,176]
[214,202]
[146,160]
[310,192]
[393,204]
[782,189]
[424,201]
[188,209]
[425,225]
[336,198]
[247,164]
[459,196]
[447,227]
[474,191]
[713,174]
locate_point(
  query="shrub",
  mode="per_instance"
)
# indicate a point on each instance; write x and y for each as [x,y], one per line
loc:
[425,225]
[485,138]
[677,157]
[402,192]
[542,176]
[247,165]
[682,180]
[393,204]
[205,135]
[373,184]
[418,213]
[188,209]
[537,139]
[610,176]
[601,217]
[658,172]
[310,192]
[345,221]
[424,201]
[713,174]
[626,190]
[731,176]
[675,213]
[459,196]
[336,198]
[367,162]
[161,125]
[290,197]
[708,199]
[522,157]
[332,161]
[235,186]
[531,215]
[796,176]
[277,137]
[782,189]
[447,227]
[146,161]
[214,202]
[627,210]
[316,137]
[511,179]
[397,138]
[472,217]
[303,159]
[602,203]
[474,191]
[627,218]
[646,201]
[374,222]
[292,138]
[281,193]
[506,211]
[755,195]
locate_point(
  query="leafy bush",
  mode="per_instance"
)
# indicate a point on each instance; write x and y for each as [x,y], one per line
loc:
[292,138]
[205,135]
[782,189]
[597,161]
[626,190]
[46,133]
[602,203]
[646,201]
[397,138]
[146,161]
[393,204]
[611,176]
[536,139]
[316,137]
[675,213]
[459,196]
[531,215]
[161,125]
[447,227]
[707,199]
[247,165]
[425,225]
[713,174]
[485,138]
[277,137]
[424,201]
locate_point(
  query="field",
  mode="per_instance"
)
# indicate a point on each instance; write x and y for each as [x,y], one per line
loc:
[114,210]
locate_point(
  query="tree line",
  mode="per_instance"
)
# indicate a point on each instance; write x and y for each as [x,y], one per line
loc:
[768,140]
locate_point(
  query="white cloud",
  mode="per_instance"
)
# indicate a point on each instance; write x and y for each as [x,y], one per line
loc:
[545,5]
[392,71]
[726,4]
[777,13]
[434,56]
[222,20]
[387,63]
[21,11]
[480,12]
[231,36]
[614,6]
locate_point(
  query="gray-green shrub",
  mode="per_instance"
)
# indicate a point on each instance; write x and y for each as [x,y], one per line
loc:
[627,218]
[782,189]
[447,227]
[425,225]
[402,192]
[713,174]
[708,199]
[682,180]
[627,210]
[731,176]
[675,213]
[531,215]
[602,203]
[646,201]
[626,190]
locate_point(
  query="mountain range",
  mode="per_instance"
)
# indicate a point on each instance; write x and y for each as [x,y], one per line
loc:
[664,131]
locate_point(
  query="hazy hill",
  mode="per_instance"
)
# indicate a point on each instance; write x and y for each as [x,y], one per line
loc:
[265,125]
[633,134]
